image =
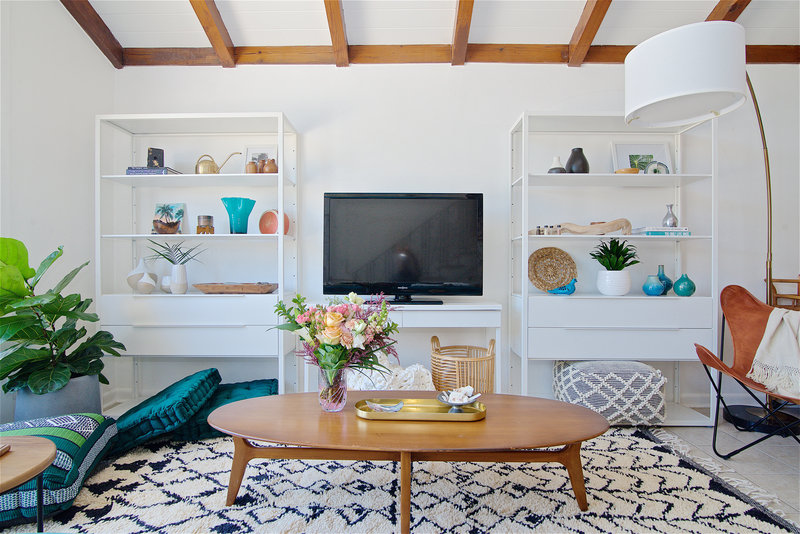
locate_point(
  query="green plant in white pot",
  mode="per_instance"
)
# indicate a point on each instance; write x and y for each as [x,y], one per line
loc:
[614,255]
[178,257]
[41,334]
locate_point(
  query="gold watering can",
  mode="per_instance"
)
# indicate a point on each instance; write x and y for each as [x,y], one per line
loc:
[209,166]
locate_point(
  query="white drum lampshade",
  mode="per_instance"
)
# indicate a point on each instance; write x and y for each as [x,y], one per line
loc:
[686,75]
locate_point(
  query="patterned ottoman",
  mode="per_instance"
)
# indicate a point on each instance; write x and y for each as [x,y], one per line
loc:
[624,392]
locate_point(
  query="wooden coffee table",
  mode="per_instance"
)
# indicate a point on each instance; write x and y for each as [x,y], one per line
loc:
[513,425]
[29,457]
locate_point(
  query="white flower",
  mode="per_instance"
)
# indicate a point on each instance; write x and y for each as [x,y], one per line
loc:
[358,341]
[303,333]
[355,299]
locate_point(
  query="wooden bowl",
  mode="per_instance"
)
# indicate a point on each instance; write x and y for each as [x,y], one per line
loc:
[627,171]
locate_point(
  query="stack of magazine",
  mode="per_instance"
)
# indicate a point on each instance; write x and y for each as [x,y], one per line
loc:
[661,230]
[151,170]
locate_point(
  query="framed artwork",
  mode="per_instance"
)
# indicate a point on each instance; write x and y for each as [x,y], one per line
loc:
[652,158]
[168,218]
[155,157]
[255,153]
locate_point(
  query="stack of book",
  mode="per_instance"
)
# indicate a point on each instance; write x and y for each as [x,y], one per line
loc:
[151,170]
[661,230]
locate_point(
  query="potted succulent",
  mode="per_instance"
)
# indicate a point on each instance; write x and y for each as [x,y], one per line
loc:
[614,255]
[178,257]
[41,333]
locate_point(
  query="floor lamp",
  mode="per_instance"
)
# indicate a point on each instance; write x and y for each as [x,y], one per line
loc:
[704,76]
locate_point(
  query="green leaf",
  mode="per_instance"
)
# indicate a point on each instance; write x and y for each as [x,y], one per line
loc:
[14,253]
[12,324]
[291,327]
[67,279]
[46,263]
[102,340]
[31,302]
[12,283]
[21,357]
[49,379]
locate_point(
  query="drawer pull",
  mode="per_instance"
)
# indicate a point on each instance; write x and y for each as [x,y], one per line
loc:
[631,328]
[161,325]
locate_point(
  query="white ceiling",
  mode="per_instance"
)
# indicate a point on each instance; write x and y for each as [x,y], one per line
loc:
[173,23]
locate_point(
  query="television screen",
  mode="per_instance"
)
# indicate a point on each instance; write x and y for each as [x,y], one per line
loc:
[403,244]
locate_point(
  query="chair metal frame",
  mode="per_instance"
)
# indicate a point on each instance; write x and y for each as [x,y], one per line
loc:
[778,402]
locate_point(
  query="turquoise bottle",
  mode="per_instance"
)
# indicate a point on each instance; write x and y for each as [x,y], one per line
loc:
[684,287]
[653,286]
[664,280]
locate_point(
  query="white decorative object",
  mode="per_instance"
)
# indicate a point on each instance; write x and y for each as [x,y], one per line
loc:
[613,283]
[146,284]
[165,282]
[414,377]
[178,282]
[136,274]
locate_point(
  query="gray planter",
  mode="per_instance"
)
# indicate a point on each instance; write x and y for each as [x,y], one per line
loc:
[80,395]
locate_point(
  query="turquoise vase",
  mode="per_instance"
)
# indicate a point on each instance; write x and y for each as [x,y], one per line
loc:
[684,287]
[653,286]
[664,280]
[239,209]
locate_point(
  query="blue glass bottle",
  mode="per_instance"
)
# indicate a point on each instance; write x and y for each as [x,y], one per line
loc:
[239,209]
[653,286]
[684,287]
[664,280]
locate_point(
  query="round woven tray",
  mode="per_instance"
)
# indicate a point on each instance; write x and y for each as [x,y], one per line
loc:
[551,267]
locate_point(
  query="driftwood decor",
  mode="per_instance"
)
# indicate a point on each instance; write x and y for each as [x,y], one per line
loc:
[624,225]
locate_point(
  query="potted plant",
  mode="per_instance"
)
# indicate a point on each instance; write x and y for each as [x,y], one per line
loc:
[178,258]
[41,333]
[615,256]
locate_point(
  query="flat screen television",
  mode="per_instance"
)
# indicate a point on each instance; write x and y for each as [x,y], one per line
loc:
[403,244]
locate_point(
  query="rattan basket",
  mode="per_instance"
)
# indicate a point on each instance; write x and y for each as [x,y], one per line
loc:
[457,366]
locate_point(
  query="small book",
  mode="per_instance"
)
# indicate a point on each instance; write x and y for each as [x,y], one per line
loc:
[151,170]
[155,157]
[642,229]
[667,232]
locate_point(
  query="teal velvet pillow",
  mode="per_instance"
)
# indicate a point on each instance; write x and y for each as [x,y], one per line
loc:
[166,410]
[197,427]
[81,441]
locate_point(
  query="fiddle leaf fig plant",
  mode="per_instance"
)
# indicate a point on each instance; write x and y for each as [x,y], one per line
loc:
[614,254]
[39,333]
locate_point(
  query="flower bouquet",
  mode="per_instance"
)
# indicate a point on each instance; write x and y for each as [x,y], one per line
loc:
[346,334]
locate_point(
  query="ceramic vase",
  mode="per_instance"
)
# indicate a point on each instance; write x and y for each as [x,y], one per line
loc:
[664,280]
[165,282]
[146,284]
[613,283]
[577,162]
[684,287]
[239,209]
[268,222]
[653,286]
[136,274]
[178,283]
[556,167]
[332,387]
[669,220]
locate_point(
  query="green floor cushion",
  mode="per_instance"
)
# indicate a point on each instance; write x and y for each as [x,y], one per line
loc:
[81,441]
[166,410]
[197,427]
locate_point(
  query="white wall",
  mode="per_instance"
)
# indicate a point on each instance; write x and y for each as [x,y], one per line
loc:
[374,127]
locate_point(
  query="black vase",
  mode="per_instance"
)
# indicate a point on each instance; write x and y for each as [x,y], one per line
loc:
[577,161]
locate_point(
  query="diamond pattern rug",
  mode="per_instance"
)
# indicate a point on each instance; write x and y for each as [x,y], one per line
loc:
[634,483]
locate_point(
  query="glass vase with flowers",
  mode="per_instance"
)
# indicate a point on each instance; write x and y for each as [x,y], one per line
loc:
[346,334]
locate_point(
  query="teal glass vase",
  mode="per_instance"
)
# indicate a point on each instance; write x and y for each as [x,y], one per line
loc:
[684,287]
[653,286]
[239,209]
[664,280]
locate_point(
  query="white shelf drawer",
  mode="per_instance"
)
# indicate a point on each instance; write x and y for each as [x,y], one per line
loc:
[199,341]
[187,310]
[620,343]
[671,312]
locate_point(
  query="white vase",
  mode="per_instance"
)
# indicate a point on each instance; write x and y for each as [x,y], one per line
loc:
[136,274]
[613,283]
[165,281]
[178,283]
[146,284]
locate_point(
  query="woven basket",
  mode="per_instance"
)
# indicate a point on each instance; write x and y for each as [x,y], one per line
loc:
[551,267]
[457,366]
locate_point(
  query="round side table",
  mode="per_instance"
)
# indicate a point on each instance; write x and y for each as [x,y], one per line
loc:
[27,458]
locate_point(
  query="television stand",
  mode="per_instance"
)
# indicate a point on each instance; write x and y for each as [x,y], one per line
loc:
[408,300]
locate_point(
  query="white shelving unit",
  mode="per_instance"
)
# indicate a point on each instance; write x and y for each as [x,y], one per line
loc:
[217,328]
[587,325]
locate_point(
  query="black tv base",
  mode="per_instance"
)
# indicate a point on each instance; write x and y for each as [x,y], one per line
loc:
[408,300]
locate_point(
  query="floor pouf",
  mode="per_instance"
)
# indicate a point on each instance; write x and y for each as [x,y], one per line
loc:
[624,392]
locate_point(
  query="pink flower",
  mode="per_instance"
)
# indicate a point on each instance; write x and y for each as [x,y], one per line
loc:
[303,317]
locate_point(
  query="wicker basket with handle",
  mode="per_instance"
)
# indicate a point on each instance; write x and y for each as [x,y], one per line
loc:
[456,366]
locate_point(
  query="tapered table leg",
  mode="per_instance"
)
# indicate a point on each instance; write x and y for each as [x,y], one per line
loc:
[405,492]
[241,455]
[572,461]
[39,503]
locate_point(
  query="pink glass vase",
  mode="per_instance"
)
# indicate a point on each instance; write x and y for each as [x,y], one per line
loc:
[332,387]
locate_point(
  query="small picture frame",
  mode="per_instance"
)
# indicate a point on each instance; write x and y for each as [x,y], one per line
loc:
[155,157]
[168,218]
[255,153]
[640,155]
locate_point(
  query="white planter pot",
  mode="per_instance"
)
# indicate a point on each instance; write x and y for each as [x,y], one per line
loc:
[613,283]
[178,283]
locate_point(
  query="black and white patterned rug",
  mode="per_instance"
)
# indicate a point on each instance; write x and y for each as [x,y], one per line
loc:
[634,483]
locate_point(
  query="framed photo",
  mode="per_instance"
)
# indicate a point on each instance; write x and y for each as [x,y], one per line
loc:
[255,153]
[641,156]
[168,218]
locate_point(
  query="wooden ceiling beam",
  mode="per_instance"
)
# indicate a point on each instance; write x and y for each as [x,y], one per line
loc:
[285,55]
[461,32]
[400,54]
[727,10]
[333,9]
[593,14]
[516,53]
[88,19]
[772,54]
[194,57]
[209,17]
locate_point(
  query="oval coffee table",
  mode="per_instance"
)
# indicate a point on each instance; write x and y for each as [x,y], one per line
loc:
[513,425]
[28,457]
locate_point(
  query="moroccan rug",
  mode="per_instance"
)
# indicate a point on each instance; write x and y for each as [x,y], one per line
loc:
[634,483]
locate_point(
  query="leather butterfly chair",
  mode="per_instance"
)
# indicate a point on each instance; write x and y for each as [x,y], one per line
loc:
[747,318]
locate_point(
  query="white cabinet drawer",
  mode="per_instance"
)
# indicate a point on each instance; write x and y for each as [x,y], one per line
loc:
[187,310]
[622,343]
[449,318]
[670,312]
[199,341]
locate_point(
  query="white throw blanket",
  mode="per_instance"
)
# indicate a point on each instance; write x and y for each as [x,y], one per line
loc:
[413,377]
[777,360]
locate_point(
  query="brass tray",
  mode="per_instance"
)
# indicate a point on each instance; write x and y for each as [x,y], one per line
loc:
[421,410]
